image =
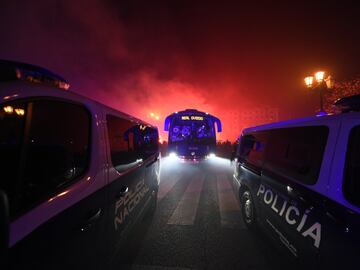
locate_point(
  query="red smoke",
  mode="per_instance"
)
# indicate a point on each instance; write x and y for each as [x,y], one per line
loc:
[243,64]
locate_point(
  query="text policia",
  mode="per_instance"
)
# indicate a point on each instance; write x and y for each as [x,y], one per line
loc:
[292,215]
[125,205]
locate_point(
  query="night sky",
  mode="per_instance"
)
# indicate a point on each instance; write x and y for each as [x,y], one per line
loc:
[243,61]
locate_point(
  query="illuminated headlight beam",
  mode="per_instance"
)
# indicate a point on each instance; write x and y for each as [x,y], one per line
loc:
[212,155]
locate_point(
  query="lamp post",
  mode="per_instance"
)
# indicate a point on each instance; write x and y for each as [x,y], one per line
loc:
[319,82]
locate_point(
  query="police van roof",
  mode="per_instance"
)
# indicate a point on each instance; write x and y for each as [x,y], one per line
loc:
[18,89]
[311,120]
[12,71]
[345,105]
[13,90]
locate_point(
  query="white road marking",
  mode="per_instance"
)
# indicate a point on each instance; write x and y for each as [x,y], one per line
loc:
[166,184]
[185,211]
[230,213]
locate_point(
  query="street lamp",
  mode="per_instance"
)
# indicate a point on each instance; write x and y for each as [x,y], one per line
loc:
[154,116]
[319,76]
[309,81]
[318,81]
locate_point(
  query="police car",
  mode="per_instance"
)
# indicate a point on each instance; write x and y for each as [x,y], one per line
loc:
[299,181]
[76,176]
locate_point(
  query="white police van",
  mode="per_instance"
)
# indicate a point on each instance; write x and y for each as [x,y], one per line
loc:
[75,175]
[299,180]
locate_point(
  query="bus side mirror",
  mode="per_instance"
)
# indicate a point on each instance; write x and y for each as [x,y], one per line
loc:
[4,229]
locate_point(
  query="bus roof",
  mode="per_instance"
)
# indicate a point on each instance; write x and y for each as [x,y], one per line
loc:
[192,112]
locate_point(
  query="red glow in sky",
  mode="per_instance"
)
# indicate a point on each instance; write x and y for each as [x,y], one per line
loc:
[242,62]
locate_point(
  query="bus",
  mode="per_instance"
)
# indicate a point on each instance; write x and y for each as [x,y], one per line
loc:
[192,134]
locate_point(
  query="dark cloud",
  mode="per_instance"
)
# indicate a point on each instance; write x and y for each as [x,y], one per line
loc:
[241,61]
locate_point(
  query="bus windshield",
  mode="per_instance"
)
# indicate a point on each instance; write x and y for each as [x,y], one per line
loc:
[198,131]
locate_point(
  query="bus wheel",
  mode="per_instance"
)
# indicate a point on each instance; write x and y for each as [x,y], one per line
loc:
[248,210]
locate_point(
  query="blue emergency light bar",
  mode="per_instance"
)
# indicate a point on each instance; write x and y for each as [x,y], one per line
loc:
[11,71]
[192,115]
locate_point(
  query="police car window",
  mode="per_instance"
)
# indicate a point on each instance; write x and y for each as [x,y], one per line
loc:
[297,152]
[125,142]
[351,185]
[251,150]
[11,139]
[54,149]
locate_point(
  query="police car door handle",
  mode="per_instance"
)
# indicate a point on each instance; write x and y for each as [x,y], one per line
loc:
[152,162]
[122,192]
[91,220]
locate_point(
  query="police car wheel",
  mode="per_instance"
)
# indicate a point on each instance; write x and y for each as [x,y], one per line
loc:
[248,210]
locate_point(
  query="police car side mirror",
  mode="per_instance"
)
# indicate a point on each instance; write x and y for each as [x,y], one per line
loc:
[233,154]
[4,229]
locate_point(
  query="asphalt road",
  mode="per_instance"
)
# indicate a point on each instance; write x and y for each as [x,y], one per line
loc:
[198,225]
